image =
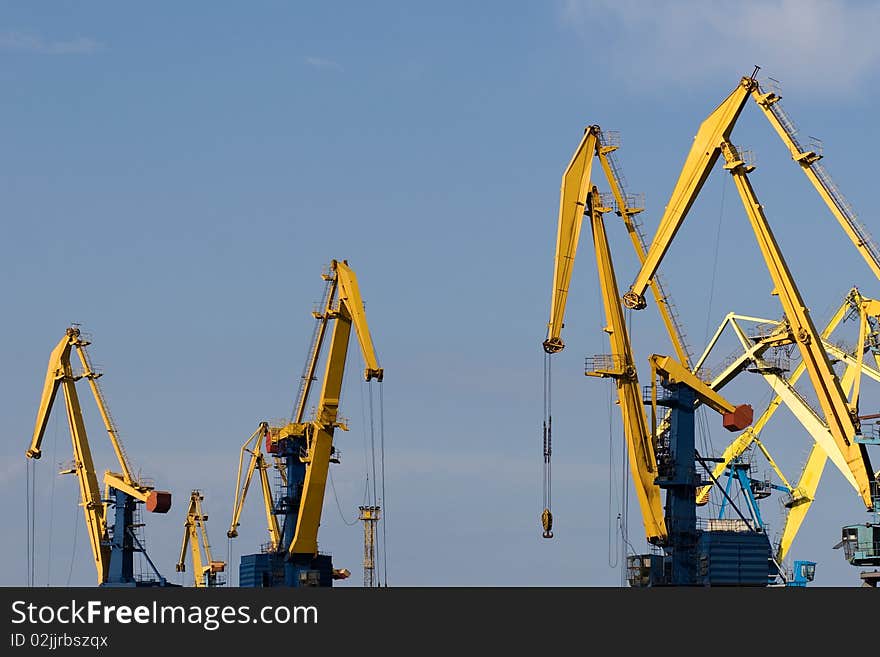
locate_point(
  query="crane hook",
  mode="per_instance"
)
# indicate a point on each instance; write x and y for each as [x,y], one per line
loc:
[547,522]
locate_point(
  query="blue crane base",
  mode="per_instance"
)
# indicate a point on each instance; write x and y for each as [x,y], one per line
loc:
[274,569]
[279,568]
[735,554]
[724,558]
[124,544]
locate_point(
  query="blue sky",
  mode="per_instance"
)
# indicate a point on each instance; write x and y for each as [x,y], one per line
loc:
[175,177]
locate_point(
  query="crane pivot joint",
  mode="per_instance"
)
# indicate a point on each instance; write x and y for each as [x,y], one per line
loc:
[553,345]
[634,301]
[377,374]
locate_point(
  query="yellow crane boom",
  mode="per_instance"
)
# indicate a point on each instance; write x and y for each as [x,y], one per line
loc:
[621,367]
[574,189]
[257,463]
[60,374]
[347,309]
[195,536]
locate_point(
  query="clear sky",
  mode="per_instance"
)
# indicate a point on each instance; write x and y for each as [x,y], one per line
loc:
[175,176]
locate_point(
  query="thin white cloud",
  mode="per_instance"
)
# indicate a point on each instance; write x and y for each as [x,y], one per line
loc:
[829,45]
[323,64]
[11,470]
[32,43]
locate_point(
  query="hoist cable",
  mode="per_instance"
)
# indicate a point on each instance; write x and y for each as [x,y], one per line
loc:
[73,551]
[624,481]
[366,447]
[27,524]
[33,527]
[614,545]
[52,505]
[547,479]
[373,445]
[384,501]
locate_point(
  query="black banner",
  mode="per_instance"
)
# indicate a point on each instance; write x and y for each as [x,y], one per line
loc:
[172,621]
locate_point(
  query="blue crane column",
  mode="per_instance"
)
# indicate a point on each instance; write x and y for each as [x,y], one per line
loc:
[123,545]
[677,475]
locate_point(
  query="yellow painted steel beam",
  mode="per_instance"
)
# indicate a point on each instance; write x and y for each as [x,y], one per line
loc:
[268,504]
[675,372]
[117,480]
[94,508]
[806,159]
[803,495]
[54,376]
[319,442]
[112,432]
[351,303]
[191,540]
[750,436]
[312,366]
[195,535]
[702,157]
[626,214]
[572,206]
[257,463]
[60,374]
[643,462]
[824,380]
[348,313]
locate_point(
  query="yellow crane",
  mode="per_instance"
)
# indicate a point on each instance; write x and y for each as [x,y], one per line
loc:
[670,523]
[114,544]
[304,447]
[577,199]
[712,141]
[575,191]
[620,366]
[777,334]
[576,186]
[195,536]
[257,463]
